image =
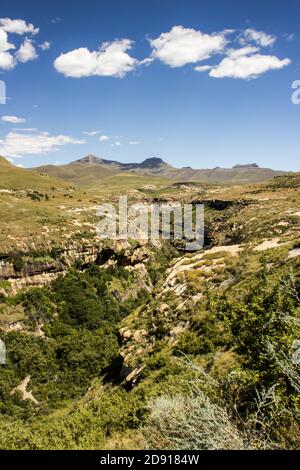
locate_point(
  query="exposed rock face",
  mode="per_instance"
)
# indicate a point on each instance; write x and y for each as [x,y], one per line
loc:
[7,270]
[90,160]
[166,319]
[268,244]
[294,253]
[246,165]
[39,274]
[37,280]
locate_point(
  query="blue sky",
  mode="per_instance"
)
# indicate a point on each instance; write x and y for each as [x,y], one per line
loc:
[199,83]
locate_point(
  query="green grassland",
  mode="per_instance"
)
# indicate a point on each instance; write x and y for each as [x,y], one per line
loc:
[14,178]
[81,175]
[129,181]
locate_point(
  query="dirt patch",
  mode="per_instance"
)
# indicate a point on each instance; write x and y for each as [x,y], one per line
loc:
[22,387]
[294,253]
[268,244]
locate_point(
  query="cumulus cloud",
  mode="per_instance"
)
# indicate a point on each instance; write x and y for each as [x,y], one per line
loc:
[246,62]
[202,68]
[13,119]
[247,67]
[17,145]
[45,45]
[134,142]
[103,138]
[26,52]
[176,48]
[236,53]
[17,26]
[259,37]
[7,61]
[4,44]
[111,60]
[181,46]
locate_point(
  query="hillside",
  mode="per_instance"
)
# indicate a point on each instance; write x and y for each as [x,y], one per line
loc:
[85,175]
[201,340]
[12,177]
[37,210]
[89,171]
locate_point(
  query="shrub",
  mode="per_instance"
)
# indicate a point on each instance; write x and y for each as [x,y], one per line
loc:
[191,422]
[18,262]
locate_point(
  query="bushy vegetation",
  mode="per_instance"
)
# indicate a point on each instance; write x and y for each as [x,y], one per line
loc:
[79,316]
[246,344]
[226,380]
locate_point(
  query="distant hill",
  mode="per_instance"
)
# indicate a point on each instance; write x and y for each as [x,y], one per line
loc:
[85,174]
[12,177]
[150,164]
[247,165]
[91,170]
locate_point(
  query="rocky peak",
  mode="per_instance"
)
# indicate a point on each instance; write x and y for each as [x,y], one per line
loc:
[90,160]
[152,162]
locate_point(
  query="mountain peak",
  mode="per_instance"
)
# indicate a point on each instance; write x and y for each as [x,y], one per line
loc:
[152,162]
[246,165]
[90,160]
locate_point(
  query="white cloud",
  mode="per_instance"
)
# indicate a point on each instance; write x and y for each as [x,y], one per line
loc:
[111,60]
[26,52]
[232,54]
[246,67]
[236,53]
[17,26]
[259,37]
[134,142]
[91,133]
[13,119]
[17,145]
[202,68]
[103,138]
[45,45]
[290,37]
[181,46]
[7,61]
[244,63]
[56,20]
[4,44]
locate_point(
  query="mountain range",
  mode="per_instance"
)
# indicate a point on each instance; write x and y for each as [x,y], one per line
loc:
[91,170]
